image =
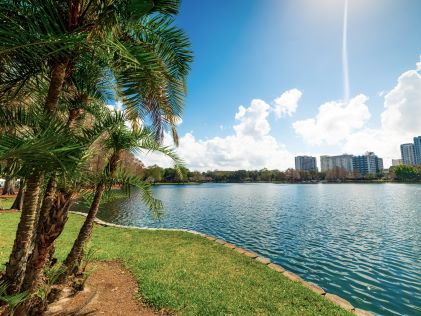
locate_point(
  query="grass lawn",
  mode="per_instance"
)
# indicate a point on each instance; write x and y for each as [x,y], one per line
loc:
[188,274]
[6,203]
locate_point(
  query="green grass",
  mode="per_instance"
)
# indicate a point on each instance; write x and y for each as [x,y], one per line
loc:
[189,274]
[6,203]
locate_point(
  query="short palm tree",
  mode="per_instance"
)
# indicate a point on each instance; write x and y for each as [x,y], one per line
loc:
[119,139]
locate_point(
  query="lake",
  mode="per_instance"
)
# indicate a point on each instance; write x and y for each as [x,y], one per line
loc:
[360,241]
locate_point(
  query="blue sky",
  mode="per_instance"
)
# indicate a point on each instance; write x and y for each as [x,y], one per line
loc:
[259,49]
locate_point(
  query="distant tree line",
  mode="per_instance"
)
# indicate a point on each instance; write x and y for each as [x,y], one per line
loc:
[156,174]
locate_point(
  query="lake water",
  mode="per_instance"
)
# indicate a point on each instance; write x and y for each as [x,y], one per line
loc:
[360,241]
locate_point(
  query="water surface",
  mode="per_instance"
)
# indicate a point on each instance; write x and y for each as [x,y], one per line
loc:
[360,241]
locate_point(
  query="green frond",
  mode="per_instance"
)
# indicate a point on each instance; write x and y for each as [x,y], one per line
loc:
[155,205]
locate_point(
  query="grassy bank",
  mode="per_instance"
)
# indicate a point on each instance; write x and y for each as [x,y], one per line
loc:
[6,203]
[188,274]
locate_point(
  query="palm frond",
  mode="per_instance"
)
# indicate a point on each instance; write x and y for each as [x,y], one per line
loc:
[155,205]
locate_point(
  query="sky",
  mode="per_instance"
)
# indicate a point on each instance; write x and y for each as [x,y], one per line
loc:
[268,81]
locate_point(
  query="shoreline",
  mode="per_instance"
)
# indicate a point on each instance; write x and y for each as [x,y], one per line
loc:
[302,182]
[338,300]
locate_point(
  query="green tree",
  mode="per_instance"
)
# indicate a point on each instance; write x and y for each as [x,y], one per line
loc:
[406,173]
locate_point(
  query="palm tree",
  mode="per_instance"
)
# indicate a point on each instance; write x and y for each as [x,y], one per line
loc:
[118,140]
[45,42]
[42,144]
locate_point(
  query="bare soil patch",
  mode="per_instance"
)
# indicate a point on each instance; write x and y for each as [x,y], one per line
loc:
[8,211]
[8,196]
[109,290]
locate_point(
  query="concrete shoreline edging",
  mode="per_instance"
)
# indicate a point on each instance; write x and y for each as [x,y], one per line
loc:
[335,299]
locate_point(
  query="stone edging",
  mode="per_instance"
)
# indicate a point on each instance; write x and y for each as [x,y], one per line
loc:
[288,274]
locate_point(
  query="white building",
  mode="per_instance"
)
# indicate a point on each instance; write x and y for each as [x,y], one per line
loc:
[332,162]
[305,163]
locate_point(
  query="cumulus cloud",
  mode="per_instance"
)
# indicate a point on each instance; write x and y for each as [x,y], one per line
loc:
[403,104]
[287,103]
[400,120]
[253,120]
[345,124]
[250,146]
[334,122]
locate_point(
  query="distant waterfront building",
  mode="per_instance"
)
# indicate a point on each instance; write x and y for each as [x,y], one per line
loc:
[396,162]
[367,164]
[417,150]
[408,154]
[332,162]
[305,163]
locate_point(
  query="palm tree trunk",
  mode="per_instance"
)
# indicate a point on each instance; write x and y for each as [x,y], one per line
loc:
[74,115]
[58,73]
[74,258]
[15,268]
[38,239]
[17,204]
[8,186]
[50,228]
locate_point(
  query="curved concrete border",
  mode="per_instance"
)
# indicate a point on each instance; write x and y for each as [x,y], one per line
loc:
[288,274]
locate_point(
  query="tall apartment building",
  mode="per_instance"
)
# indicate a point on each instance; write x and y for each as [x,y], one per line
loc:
[331,162]
[367,164]
[408,154]
[417,150]
[305,163]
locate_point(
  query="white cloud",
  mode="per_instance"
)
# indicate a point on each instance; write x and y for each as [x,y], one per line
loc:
[287,103]
[253,120]
[403,104]
[334,122]
[118,106]
[400,120]
[250,147]
[344,124]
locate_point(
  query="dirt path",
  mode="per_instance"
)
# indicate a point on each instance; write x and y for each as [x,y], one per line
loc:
[8,196]
[110,290]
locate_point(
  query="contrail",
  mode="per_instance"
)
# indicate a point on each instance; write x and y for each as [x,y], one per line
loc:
[345,53]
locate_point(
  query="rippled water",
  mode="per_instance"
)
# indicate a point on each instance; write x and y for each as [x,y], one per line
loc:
[360,241]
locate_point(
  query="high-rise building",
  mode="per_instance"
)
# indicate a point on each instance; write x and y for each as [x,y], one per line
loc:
[408,154]
[332,162]
[367,164]
[417,150]
[305,163]
[396,162]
